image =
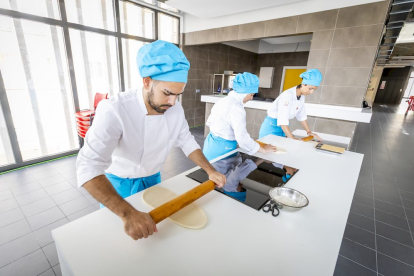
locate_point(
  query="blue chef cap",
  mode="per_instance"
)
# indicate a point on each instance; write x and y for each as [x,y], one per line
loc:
[312,77]
[246,83]
[162,61]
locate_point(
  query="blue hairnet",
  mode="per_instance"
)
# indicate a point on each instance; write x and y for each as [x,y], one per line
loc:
[311,77]
[162,61]
[246,83]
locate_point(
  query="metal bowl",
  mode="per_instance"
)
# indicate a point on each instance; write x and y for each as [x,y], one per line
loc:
[288,197]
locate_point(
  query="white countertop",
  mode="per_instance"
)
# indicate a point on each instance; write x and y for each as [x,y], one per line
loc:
[237,239]
[344,113]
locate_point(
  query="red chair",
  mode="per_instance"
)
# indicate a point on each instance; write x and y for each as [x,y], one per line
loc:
[410,104]
[84,118]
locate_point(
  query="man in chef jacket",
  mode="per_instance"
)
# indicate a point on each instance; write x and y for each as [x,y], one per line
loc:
[132,134]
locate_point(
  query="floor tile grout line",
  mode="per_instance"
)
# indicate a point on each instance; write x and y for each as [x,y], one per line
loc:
[356,262]
[409,228]
[375,225]
[395,259]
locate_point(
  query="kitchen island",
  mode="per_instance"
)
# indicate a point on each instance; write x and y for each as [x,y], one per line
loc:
[237,239]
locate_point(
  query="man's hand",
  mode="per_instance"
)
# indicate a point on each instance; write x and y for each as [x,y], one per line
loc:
[217,178]
[316,136]
[139,225]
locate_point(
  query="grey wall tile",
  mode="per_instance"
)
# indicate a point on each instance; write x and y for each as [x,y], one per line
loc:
[207,36]
[352,57]
[318,58]
[281,26]
[335,127]
[357,36]
[190,38]
[315,96]
[18,248]
[368,14]
[347,76]
[250,115]
[252,30]
[322,40]
[339,95]
[31,264]
[260,116]
[227,33]
[189,114]
[317,21]
[198,121]
[250,128]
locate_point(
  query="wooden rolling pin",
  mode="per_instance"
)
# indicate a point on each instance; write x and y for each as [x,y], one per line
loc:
[173,206]
[261,143]
[306,139]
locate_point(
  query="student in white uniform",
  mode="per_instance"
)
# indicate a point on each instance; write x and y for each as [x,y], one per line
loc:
[133,133]
[290,104]
[227,121]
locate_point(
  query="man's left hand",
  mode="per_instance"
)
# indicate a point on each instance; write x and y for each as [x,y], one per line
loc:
[217,178]
[316,137]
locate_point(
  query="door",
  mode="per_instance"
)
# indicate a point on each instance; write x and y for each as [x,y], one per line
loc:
[391,94]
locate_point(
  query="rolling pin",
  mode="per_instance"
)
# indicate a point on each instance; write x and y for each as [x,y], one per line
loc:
[306,139]
[173,206]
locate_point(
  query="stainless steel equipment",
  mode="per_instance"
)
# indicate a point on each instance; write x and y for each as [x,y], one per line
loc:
[282,197]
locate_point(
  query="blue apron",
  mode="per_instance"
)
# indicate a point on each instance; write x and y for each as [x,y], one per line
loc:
[126,187]
[269,126]
[215,146]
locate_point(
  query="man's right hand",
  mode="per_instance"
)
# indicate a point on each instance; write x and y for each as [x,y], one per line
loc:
[268,148]
[139,225]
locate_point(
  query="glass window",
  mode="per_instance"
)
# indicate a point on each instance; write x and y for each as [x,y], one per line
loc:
[168,28]
[6,153]
[136,20]
[131,75]
[45,8]
[35,73]
[93,13]
[96,66]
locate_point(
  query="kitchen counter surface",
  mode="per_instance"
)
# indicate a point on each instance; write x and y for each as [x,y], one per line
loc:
[237,239]
[352,114]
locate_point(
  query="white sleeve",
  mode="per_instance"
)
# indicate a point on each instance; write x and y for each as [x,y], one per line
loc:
[238,123]
[283,111]
[100,141]
[185,139]
[301,116]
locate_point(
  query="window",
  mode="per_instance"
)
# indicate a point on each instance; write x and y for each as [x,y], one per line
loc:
[168,28]
[6,152]
[92,13]
[136,20]
[46,8]
[130,49]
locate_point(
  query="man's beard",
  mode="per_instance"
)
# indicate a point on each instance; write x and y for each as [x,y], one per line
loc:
[154,105]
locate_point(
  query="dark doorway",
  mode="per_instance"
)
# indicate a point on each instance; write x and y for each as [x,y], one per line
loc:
[395,82]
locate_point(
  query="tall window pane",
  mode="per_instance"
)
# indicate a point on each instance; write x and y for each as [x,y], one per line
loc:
[45,8]
[96,67]
[35,73]
[93,13]
[168,28]
[6,153]
[130,49]
[136,20]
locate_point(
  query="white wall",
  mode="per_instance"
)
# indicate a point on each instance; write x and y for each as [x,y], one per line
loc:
[192,23]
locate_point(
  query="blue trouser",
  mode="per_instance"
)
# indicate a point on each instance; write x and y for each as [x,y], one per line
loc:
[215,146]
[269,126]
[126,187]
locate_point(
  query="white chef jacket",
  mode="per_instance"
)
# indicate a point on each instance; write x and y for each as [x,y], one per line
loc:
[228,121]
[287,106]
[127,142]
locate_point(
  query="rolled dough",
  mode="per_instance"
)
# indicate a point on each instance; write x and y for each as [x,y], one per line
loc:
[192,216]
[280,150]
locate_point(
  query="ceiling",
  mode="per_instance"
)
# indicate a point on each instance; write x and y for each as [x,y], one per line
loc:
[215,8]
[289,39]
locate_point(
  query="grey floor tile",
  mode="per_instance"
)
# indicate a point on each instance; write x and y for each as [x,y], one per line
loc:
[57,270]
[391,220]
[66,196]
[48,272]
[63,162]
[46,174]
[17,248]
[32,264]
[361,221]
[362,210]
[368,201]
[91,199]
[83,191]
[389,267]
[47,217]
[364,191]
[26,188]
[346,267]
[6,194]
[390,208]
[31,197]
[410,214]
[411,224]
[8,204]
[394,234]
[358,253]
[51,254]
[39,168]
[75,206]
[408,187]
[407,195]
[408,204]
[69,174]
[84,212]
[44,235]
[360,236]
[51,180]
[17,174]
[4,186]
[21,180]
[38,207]
[387,190]
[73,182]
[10,217]
[387,198]
[58,188]
[14,231]
[66,168]
[395,250]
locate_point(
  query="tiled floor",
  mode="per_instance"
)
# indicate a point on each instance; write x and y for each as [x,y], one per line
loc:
[378,239]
